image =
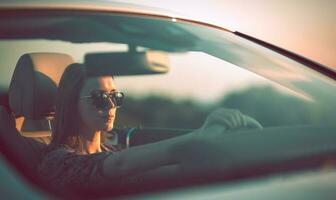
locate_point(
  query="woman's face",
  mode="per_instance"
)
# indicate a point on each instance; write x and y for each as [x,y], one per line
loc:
[95,117]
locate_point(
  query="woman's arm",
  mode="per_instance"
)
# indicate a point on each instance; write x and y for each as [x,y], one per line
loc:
[189,151]
[141,159]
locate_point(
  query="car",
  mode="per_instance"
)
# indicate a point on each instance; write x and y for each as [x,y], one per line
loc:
[175,71]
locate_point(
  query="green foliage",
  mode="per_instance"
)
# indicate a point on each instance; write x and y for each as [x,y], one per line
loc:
[272,108]
[158,111]
[267,105]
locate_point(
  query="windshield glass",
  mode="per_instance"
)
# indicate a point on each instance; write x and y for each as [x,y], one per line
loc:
[209,68]
[198,83]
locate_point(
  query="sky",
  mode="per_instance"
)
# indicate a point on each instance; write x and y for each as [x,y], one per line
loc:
[306,27]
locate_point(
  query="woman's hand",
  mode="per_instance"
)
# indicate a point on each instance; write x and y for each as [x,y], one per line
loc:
[229,120]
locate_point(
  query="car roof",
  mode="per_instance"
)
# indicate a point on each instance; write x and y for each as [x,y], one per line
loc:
[39,19]
[103,6]
[100,5]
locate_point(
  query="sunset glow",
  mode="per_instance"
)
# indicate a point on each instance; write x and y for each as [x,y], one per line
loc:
[303,26]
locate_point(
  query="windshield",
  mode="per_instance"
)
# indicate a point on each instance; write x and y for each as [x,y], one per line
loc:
[209,68]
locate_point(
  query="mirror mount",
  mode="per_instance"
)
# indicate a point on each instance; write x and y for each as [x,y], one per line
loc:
[132,48]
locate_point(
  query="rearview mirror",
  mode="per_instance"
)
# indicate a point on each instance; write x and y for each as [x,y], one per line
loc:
[127,63]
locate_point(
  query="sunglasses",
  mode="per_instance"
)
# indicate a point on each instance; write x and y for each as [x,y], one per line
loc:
[106,100]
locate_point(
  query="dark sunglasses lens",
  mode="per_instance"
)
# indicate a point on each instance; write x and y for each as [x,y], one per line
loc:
[118,98]
[100,100]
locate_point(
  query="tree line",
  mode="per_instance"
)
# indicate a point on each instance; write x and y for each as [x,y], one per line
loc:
[265,104]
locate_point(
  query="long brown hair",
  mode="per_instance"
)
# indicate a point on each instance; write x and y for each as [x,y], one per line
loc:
[67,121]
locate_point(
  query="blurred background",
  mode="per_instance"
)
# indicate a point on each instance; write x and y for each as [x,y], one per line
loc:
[306,27]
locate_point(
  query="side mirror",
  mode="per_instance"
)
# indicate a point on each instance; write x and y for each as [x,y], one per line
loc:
[127,63]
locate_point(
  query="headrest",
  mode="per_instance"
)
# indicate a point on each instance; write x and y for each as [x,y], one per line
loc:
[33,87]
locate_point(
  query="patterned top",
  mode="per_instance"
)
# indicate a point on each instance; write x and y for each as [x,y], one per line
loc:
[64,169]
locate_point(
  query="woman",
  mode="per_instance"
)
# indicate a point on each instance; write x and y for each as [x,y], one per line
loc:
[77,159]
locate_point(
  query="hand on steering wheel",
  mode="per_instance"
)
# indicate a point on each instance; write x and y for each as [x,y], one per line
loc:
[229,119]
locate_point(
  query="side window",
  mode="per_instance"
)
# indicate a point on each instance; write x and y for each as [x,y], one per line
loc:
[197,84]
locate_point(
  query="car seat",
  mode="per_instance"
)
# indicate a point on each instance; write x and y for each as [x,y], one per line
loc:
[32,94]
